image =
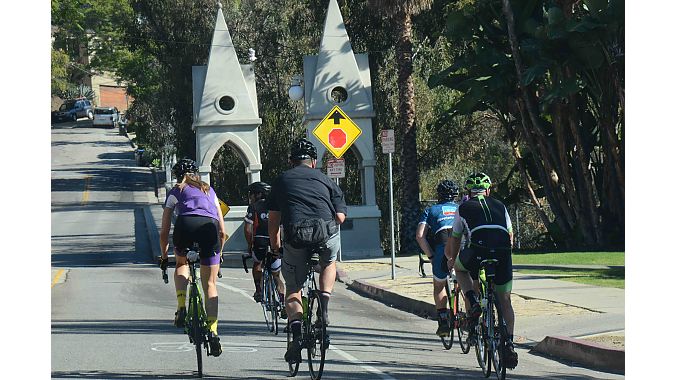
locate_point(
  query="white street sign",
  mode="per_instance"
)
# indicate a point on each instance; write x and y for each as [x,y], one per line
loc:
[387,140]
[335,168]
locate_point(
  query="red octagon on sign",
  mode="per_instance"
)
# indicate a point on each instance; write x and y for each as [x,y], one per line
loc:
[337,138]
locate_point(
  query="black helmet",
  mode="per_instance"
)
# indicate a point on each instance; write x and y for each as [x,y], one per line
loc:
[447,190]
[303,150]
[477,182]
[259,188]
[184,165]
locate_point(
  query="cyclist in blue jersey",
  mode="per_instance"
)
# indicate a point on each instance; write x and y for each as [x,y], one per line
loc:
[439,219]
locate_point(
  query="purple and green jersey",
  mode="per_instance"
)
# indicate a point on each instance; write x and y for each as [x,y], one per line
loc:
[193,201]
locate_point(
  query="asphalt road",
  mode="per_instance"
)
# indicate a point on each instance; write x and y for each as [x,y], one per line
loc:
[112,314]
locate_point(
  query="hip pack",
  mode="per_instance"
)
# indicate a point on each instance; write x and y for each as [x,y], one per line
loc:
[309,233]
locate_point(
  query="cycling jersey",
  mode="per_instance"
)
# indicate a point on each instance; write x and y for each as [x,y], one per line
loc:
[193,201]
[257,215]
[439,218]
[486,222]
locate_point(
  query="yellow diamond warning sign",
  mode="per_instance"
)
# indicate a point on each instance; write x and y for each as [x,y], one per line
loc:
[337,132]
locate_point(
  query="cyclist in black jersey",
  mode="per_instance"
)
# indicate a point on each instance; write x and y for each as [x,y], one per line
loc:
[489,235]
[256,233]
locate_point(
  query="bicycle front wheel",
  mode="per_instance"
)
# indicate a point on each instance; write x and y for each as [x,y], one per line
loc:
[316,337]
[273,304]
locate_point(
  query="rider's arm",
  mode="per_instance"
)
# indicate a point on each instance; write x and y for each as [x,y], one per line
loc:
[340,217]
[248,226]
[420,236]
[274,219]
[164,231]
[338,202]
[452,247]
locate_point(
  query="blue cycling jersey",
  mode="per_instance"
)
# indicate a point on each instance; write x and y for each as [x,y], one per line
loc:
[439,216]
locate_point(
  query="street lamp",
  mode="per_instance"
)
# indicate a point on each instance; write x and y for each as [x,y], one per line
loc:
[296,90]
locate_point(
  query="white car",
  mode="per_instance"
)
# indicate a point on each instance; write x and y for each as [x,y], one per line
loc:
[106,116]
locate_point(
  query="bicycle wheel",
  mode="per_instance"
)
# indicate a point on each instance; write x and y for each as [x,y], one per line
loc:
[499,340]
[448,340]
[273,302]
[316,340]
[460,322]
[481,347]
[265,297]
[196,328]
[293,367]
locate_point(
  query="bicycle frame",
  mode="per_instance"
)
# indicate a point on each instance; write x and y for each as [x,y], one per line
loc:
[492,343]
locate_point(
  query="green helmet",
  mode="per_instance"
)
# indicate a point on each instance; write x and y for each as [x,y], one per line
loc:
[478,182]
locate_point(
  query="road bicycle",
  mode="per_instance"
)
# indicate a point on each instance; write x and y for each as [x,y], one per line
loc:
[196,319]
[457,317]
[270,298]
[491,330]
[314,338]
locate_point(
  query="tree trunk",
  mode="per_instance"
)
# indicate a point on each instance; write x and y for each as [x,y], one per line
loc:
[409,159]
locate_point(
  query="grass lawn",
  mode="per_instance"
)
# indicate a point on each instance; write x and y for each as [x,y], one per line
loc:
[570,258]
[611,278]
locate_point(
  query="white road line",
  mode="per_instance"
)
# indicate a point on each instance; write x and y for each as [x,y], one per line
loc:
[333,347]
[236,290]
[356,361]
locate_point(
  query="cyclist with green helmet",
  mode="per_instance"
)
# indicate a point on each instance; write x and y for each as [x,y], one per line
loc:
[489,235]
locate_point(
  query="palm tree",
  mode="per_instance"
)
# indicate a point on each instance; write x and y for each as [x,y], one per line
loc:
[401,12]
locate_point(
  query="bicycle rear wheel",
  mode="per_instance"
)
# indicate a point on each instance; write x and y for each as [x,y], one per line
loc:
[316,338]
[481,348]
[460,322]
[499,340]
[196,328]
[448,341]
[293,367]
[265,301]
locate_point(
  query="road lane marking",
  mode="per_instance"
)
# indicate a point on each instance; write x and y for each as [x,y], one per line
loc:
[85,194]
[236,290]
[187,346]
[356,361]
[56,278]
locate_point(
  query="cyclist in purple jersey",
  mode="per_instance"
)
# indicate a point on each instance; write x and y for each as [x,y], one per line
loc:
[200,221]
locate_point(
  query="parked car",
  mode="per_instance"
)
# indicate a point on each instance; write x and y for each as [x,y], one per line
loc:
[106,116]
[73,109]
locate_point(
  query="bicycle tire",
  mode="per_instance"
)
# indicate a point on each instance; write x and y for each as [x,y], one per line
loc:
[448,341]
[196,328]
[293,367]
[265,300]
[460,315]
[499,337]
[273,302]
[316,337]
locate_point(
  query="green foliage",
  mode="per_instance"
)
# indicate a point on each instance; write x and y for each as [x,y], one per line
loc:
[59,72]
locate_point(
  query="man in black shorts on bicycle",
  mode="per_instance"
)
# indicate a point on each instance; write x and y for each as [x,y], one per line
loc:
[256,233]
[303,199]
[487,224]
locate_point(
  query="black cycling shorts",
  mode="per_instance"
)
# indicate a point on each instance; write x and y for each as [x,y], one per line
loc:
[202,230]
[470,258]
[260,248]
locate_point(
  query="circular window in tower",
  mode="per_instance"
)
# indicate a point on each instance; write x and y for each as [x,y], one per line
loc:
[338,95]
[225,104]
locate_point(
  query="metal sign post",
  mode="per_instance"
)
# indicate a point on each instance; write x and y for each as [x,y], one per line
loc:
[387,142]
[335,168]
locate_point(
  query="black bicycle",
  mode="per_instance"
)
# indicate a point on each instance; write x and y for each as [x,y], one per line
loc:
[271,301]
[314,338]
[195,320]
[491,331]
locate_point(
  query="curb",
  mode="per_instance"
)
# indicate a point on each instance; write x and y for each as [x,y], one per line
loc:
[577,350]
[580,351]
[397,301]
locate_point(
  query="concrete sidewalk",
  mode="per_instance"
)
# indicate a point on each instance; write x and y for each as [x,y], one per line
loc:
[552,316]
